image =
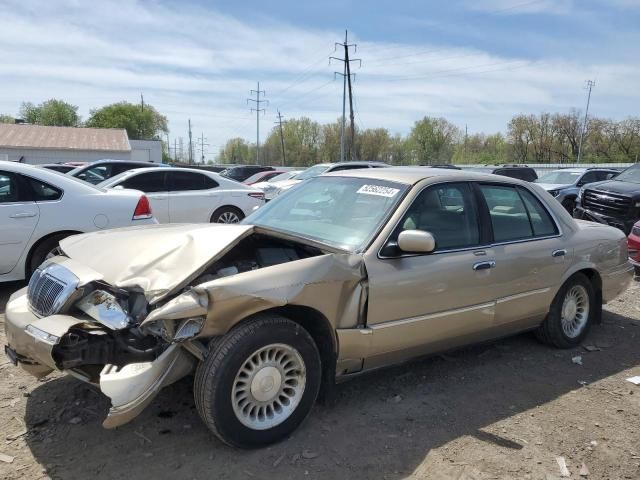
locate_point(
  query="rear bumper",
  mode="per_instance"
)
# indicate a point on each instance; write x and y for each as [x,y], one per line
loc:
[617,281]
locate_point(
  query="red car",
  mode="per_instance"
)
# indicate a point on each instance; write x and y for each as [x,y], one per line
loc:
[633,241]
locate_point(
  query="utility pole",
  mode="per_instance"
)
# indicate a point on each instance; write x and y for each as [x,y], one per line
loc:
[257,109]
[346,76]
[466,134]
[141,101]
[175,149]
[190,145]
[202,145]
[589,86]
[279,122]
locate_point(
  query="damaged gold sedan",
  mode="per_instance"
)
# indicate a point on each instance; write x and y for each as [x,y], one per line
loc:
[342,274]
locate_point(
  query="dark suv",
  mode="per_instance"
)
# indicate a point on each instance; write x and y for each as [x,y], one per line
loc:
[242,172]
[614,202]
[521,172]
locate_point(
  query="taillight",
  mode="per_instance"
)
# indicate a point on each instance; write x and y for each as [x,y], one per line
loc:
[143,209]
[258,195]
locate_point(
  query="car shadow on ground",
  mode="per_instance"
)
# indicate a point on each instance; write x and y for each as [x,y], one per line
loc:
[400,414]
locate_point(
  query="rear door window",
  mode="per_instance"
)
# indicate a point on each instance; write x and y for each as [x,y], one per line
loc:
[516,214]
[41,191]
[185,181]
[147,182]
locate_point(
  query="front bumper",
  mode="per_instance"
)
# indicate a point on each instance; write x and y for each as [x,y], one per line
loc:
[623,224]
[32,341]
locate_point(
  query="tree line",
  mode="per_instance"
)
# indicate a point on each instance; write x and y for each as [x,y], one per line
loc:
[140,122]
[543,138]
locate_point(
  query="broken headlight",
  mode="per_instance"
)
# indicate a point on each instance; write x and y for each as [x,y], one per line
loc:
[105,308]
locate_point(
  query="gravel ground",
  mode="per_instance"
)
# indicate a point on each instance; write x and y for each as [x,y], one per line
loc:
[507,410]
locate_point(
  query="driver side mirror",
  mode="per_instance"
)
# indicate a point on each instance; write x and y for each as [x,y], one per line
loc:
[416,241]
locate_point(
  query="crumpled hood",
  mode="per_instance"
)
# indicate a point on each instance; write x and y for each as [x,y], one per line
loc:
[155,258]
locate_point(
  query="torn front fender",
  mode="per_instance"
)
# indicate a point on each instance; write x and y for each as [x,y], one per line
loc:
[132,387]
[332,284]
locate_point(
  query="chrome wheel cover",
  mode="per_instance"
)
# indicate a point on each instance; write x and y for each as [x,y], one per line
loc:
[575,311]
[269,386]
[228,217]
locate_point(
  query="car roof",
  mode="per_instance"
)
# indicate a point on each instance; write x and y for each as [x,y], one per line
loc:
[413,175]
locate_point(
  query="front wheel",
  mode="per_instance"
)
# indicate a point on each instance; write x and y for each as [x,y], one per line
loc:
[570,315]
[569,204]
[259,382]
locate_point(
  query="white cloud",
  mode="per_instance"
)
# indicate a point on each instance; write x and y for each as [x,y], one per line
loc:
[522,7]
[198,63]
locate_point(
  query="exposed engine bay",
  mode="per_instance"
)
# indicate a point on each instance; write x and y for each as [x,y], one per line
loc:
[255,252]
[114,333]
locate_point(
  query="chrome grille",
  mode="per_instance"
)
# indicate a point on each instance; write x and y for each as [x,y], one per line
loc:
[612,204]
[49,288]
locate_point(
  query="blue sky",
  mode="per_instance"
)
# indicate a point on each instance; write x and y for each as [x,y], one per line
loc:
[474,62]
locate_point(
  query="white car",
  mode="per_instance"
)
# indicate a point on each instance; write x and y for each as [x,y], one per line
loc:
[270,187]
[40,207]
[320,169]
[188,195]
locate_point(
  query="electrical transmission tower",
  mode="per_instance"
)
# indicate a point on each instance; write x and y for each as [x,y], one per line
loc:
[257,109]
[279,122]
[190,145]
[346,76]
[202,145]
[590,84]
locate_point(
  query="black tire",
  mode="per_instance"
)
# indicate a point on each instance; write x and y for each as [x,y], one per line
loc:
[551,330]
[637,270]
[569,204]
[40,253]
[216,375]
[222,213]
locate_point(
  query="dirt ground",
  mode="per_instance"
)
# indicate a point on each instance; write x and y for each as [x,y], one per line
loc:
[500,411]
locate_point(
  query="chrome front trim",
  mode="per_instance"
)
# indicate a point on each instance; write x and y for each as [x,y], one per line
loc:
[50,286]
[421,318]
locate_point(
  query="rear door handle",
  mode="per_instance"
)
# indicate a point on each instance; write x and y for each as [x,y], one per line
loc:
[559,253]
[484,265]
[23,215]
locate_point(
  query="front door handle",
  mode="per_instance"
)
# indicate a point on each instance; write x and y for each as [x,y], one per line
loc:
[23,215]
[484,265]
[559,253]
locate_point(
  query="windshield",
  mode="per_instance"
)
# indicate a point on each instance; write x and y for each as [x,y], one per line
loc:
[343,212]
[631,174]
[559,178]
[312,172]
[282,176]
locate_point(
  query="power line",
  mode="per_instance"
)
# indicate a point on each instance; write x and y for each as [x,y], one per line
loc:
[257,102]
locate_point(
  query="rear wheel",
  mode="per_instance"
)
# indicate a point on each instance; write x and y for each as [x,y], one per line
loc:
[259,382]
[227,214]
[47,249]
[570,315]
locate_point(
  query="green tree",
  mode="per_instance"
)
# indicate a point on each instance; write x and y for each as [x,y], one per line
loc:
[140,124]
[53,112]
[433,140]
[373,144]
[6,118]
[236,150]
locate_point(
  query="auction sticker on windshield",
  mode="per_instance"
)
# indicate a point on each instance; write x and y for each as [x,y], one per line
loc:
[378,190]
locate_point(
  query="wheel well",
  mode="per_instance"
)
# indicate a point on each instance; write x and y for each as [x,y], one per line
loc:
[323,335]
[40,241]
[232,207]
[596,282]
